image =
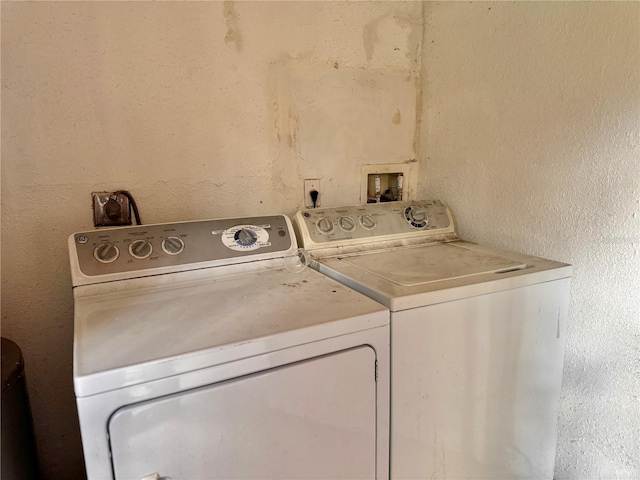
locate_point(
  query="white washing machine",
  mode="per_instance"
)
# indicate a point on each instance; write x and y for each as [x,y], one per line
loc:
[204,350]
[477,338]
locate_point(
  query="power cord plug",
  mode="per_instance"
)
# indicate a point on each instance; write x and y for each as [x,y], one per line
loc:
[314,197]
[132,204]
[112,208]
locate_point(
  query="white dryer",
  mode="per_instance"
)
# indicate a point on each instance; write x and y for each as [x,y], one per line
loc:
[199,354]
[477,338]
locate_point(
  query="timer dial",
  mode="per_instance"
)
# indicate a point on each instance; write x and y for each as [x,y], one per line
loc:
[242,238]
[245,237]
[106,253]
[416,216]
[172,245]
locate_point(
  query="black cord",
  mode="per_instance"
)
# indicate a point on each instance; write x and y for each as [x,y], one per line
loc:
[314,197]
[132,204]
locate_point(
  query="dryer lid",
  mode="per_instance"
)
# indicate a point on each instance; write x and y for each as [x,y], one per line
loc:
[410,267]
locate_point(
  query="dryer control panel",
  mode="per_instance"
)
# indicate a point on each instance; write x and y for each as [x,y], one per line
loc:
[326,227]
[143,250]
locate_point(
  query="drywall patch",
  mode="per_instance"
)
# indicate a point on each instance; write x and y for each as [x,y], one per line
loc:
[325,118]
[233,35]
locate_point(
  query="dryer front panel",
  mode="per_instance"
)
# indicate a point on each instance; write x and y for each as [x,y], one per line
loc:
[311,419]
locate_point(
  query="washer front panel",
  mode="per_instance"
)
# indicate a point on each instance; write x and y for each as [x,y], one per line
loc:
[203,241]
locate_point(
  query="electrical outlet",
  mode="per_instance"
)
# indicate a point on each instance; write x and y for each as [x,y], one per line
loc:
[309,185]
[110,212]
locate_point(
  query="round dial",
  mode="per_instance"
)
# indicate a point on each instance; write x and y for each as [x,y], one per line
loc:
[325,225]
[140,249]
[106,253]
[245,237]
[242,238]
[347,224]
[172,245]
[416,216]
[367,221]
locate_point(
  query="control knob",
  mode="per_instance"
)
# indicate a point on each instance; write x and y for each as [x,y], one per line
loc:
[416,216]
[347,224]
[140,249]
[325,225]
[367,221]
[106,253]
[172,245]
[246,237]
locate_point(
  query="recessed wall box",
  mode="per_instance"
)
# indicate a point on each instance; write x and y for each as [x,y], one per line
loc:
[111,209]
[385,183]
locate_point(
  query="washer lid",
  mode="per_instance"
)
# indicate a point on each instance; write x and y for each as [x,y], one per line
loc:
[411,267]
[414,276]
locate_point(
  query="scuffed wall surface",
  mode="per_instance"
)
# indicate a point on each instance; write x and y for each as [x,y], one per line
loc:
[531,133]
[201,110]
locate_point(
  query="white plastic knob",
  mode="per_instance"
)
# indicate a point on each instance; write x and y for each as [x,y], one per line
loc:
[367,221]
[325,225]
[347,224]
[172,245]
[140,249]
[106,253]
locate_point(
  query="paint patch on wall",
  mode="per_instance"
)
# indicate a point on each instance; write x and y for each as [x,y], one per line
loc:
[325,118]
[393,39]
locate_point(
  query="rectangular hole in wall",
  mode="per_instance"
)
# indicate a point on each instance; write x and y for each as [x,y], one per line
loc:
[384,187]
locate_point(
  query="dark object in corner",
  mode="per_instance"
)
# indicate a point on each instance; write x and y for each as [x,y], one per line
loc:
[19,457]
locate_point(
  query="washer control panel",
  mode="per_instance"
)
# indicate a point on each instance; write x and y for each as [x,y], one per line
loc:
[365,223]
[144,247]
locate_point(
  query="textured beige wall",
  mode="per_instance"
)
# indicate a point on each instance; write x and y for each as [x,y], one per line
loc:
[202,110]
[531,133]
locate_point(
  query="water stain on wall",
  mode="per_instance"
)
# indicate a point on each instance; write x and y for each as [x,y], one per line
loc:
[233,35]
[370,36]
[397,118]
